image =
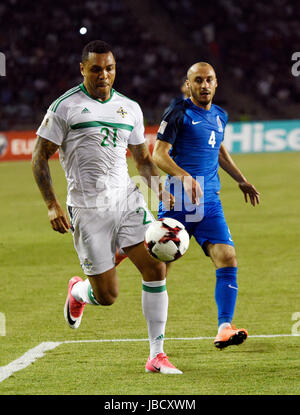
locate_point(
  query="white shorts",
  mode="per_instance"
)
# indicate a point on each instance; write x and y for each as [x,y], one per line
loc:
[97,233]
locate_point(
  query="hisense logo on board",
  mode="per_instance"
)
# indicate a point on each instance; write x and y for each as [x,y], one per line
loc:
[296,66]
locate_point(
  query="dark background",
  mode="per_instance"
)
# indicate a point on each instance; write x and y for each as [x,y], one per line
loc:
[249,43]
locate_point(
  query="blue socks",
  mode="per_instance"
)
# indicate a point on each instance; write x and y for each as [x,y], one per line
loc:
[226,293]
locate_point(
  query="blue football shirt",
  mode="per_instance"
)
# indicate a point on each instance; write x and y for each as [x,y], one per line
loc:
[196,135]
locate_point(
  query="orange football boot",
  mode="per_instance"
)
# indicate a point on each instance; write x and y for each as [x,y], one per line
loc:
[230,336]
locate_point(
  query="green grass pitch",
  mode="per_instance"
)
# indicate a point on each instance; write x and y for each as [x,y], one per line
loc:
[36,264]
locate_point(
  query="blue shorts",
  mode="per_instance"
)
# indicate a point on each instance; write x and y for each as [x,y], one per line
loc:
[211,227]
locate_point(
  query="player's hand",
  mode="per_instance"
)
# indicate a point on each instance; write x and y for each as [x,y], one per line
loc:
[249,191]
[193,189]
[167,199]
[58,218]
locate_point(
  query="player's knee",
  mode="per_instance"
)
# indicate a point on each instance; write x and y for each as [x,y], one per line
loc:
[223,256]
[156,272]
[228,259]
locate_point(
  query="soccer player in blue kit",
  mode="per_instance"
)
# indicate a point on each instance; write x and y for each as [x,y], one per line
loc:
[189,148]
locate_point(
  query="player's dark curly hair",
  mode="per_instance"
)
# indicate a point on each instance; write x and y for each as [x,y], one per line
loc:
[95,46]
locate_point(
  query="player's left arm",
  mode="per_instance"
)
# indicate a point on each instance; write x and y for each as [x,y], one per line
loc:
[149,171]
[227,164]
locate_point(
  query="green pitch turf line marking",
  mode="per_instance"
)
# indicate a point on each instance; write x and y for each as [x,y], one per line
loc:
[39,351]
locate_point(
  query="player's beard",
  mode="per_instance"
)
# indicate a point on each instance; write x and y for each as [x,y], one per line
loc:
[202,100]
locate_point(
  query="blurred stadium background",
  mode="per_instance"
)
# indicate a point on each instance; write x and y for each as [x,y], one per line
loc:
[250,44]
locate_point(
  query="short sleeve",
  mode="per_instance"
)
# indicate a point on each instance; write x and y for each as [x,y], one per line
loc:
[170,125]
[225,120]
[53,127]
[137,135]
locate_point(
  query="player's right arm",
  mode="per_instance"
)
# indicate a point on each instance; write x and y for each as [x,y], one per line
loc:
[163,160]
[166,137]
[42,152]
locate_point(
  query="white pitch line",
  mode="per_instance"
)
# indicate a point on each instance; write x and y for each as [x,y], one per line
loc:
[39,351]
[276,335]
[104,341]
[29,357]
[170,338]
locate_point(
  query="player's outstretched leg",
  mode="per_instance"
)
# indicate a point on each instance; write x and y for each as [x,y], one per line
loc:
[224,258]
[99,289]
[226,294]
[155,307]
[155,310]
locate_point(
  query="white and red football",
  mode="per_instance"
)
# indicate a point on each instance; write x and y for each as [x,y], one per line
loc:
[167,239]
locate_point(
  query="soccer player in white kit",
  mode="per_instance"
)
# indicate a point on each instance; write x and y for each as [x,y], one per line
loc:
[92,125]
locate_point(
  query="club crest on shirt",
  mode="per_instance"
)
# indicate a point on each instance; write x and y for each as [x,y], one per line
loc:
[122,112]
[87,264]
[219,124]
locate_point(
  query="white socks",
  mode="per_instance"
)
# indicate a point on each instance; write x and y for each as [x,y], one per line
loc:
[155,309]
[82,291]
[154,304]
[222,326]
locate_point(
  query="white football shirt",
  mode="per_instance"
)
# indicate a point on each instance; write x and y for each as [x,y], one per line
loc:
[93,136]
